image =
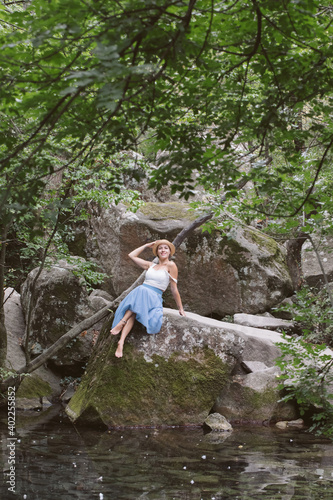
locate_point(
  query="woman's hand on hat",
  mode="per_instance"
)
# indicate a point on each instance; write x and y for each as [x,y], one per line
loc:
[151,244]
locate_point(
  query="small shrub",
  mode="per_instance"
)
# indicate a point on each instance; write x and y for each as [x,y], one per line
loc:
[313,313]
[307,377]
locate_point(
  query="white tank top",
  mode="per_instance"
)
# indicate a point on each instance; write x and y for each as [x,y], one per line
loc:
[159,278]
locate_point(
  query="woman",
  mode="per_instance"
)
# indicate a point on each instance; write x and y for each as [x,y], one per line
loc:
[144,303]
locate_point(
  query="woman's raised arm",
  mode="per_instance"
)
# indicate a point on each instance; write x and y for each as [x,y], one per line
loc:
[134,255]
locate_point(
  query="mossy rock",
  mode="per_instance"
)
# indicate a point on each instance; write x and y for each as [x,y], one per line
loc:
[173,378]
[239,402]
[33,387]
[133,391]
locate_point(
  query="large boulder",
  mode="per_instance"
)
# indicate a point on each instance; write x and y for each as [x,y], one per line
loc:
[60,301]
[218,275]
[171,378]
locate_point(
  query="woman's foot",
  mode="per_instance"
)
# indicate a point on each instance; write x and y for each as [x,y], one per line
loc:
[119,351]
[117,329]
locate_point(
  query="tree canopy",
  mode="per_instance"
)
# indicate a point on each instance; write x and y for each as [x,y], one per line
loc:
[227,89]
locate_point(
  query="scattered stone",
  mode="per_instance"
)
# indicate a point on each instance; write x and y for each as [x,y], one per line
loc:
[68,393]
[28,403]
[218,423]
[298,424]
[265,322]
[287,315]
[33,393]
[99,299]
[254,397]
[283,424]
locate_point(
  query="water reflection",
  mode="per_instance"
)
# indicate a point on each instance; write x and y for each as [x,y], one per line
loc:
[56,460]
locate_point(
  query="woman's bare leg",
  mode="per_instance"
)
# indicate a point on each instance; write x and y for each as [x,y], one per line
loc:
[126,330]
[117,329]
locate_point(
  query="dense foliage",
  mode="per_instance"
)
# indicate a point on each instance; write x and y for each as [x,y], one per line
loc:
[312,311]
[220,86]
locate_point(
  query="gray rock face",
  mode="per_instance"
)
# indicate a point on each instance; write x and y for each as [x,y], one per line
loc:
[116,232]
[99,299]
[311,268]
[253,366]
[231,343]
[218,276]
[15,326]
[179,375]
[254,397]
[61,301]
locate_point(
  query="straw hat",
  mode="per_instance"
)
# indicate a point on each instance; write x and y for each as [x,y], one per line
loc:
[163,242]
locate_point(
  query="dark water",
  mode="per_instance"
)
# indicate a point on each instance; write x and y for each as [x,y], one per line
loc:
[55,460]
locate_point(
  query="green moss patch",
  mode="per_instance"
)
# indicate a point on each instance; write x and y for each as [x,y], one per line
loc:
[172,210]
[132,391]
[259,400]
[33,387]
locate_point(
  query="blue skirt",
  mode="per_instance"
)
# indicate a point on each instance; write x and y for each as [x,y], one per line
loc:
[146,302]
